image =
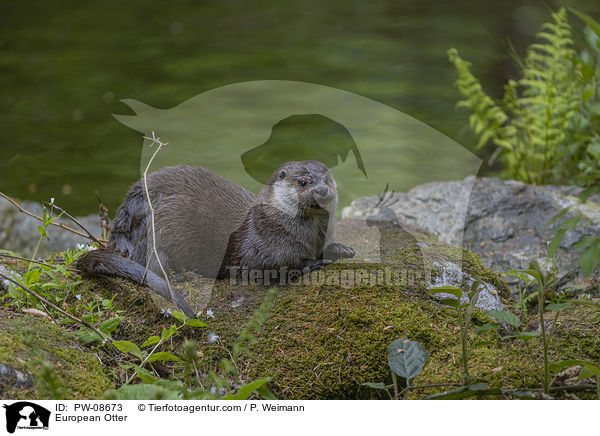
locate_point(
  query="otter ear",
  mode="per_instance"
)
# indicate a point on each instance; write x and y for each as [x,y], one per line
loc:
[282,175]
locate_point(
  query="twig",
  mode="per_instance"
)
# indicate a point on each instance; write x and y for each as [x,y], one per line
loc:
[55,307]
[197,374]
[62,226]
[10,256]
[104,221]
[435,385]
[89,234]
[156,140]
[141,365]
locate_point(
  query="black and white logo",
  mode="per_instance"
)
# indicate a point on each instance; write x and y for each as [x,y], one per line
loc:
[26,415]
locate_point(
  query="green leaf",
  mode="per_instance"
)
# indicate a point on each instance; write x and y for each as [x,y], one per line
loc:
[193,322]
[587,193]
[167,333]
[588,259]
[32,277]
[556,240]
[265,393]
[505,316]
[145,375]
[559,215]
[593,24]
[593,369]
[151,341]
[452,302]
[407,358]
[453,290]
[15,292]
[558,307]
[586,242]
[486,327]
[162,356]
[179,316]
[110,325]
[587,372]
[50,285]
[128,347]
[525,336]
[247,390]
[87,336]
[535,271]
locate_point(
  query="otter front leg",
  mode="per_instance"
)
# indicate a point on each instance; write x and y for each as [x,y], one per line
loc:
[310,265]
[336,251]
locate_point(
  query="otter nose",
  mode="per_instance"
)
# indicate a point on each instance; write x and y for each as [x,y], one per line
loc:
[322,191]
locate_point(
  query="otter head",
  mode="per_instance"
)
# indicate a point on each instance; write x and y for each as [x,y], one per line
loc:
[301,188]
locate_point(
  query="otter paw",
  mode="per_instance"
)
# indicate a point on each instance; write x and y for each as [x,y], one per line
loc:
[310,265]
[338,251]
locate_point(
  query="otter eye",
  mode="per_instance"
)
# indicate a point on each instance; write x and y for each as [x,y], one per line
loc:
[302,182]
[282,175]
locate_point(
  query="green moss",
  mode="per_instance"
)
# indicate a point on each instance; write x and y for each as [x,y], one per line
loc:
[323,342]
[51,357]
[318,341]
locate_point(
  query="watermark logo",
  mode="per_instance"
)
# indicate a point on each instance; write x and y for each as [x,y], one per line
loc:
[245,133]
[26,415]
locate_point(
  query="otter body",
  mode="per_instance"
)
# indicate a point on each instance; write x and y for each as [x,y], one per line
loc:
[210,226]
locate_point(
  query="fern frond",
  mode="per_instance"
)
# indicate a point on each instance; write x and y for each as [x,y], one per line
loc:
[531,121]
[487,119]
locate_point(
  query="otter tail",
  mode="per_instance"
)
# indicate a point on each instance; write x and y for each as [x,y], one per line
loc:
[105,262]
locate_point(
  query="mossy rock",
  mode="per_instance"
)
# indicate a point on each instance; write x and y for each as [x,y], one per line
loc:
[325,343]
[315,341]
[42,360]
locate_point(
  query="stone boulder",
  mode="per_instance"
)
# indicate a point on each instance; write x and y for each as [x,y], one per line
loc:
[507,223]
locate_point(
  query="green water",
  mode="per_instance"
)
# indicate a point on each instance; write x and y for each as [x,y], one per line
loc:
[65,66]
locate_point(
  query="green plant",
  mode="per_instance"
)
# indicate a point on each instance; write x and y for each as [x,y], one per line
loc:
[546,124]
[150,386]
[406,359]
[543,282]
[587,370]
[464,314]
[53,281]
[589,245]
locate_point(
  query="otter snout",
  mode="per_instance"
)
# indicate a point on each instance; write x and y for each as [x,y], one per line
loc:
[323,195]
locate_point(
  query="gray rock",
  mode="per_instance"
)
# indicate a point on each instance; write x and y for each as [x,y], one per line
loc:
[19,233]
[505,222]
[12,378]
[451,274]
[4,284]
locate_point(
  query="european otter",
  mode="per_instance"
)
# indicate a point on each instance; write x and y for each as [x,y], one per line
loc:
[210,226]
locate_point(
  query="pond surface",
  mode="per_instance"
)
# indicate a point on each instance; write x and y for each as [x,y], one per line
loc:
[65,66]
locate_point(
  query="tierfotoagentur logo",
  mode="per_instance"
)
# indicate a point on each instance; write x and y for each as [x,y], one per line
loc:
[251,178]
[25,415]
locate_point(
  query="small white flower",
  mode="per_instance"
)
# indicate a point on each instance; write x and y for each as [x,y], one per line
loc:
[78,296]
[212,337]
[210,313]
[85,247]
[52,200]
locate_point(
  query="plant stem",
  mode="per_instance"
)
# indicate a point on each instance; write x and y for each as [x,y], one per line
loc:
[395,382]
[34,253]
[543,329]
[465,351]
